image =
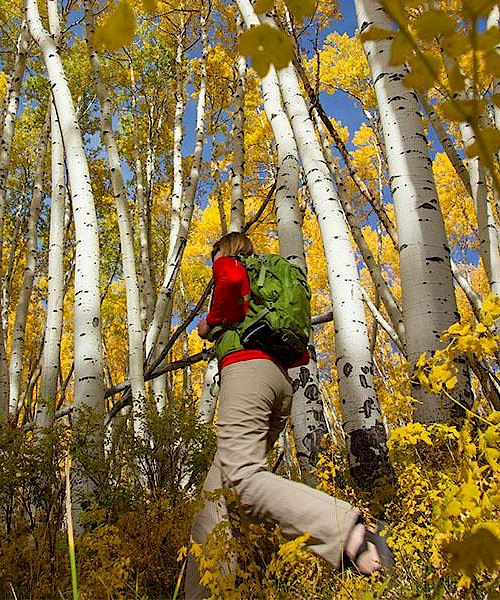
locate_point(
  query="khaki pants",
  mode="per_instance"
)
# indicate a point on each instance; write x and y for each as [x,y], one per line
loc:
[254,402]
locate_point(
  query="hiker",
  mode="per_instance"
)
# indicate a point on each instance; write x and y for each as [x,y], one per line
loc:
[254,401]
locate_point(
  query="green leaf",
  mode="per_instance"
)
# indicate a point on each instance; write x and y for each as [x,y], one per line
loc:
[301,8]
[265,45]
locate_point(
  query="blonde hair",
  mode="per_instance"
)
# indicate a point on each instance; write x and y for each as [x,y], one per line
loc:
[233,244]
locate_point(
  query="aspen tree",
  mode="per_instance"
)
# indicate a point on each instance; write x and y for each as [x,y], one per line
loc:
[429,305]
[360,408]
[237,219]
[54,320]
[88,373]
[8,127]
[154,342]
[307,416]
[19,328]
[134,328]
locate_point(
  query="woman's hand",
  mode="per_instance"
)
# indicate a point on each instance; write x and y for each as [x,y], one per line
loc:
[203,329]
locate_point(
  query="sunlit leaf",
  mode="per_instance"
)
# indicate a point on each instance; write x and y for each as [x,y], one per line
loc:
[265,45]
[118,28]
[434,23]
[376,34]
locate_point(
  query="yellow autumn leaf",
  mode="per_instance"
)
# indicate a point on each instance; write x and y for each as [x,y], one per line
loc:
[491,62]
[488,40]
[423,72]
[118,28]
[451,382]
[434,23]
[301,8]
[460,110]
[395,9]
[495,98]
[456,79]
[263,6]
[487,145]
[476,551]
[265,45]
[455,44]
[149,6]
[376,34]
[473,9]
[401,49]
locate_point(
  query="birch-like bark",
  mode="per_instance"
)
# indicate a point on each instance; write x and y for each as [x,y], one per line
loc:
[54,322]
[237,219]
[19,328]
[447,144]
[153,341]
[88,389]
[209,392]
[307,412]
[381,286]
[146,279]
[134,327]
[487,226]
[429,305]
[8,127]
[361,411]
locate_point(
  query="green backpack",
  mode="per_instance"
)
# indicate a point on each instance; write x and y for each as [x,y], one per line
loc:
[279,316]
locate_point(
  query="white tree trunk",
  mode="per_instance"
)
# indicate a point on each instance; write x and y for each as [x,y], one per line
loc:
[381,286]
[153,340]
[237,220]
[54,321]
[146,279]
[19,328]
[360,408]
[134,327]
[209,392]
[8,126]
[87,330]
[487,226]
[429,305]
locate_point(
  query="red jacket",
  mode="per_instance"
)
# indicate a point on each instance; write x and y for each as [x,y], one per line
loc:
[231,286]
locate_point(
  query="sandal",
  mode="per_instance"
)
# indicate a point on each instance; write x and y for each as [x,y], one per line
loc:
[384,558]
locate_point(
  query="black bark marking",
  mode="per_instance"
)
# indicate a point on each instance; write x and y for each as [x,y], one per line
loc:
[348,368]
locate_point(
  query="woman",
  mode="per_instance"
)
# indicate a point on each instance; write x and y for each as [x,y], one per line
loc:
[254,401]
